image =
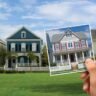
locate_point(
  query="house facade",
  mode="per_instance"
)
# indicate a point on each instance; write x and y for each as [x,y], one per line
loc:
[70,48]
[20,45]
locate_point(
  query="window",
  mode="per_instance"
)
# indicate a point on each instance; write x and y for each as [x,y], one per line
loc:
[23,47]
[21,60]
[57,47]
[76,44]
[63,46]
[65,57]
[70,45]
[83,43]
[13,47]
[23,34]
[33,46]
[57,57]
[68,34]
[86,53]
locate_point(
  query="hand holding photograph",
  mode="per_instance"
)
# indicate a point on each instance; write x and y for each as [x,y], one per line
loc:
[68,48]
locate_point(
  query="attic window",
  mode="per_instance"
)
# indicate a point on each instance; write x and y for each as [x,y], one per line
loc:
[23,34]
[68,34]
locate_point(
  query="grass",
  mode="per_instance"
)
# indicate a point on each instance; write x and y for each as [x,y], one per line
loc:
[40,84]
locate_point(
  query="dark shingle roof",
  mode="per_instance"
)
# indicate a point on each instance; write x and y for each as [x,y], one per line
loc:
[58,37]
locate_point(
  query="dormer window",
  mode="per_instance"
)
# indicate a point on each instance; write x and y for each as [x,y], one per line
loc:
[68,34]
[23,34]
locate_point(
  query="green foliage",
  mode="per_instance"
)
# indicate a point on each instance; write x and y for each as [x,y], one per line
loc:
[31,55]
[44,57]
[2,56]
[11,54]
[53,64]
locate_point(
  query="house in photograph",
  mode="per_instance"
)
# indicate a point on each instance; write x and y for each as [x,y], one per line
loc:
[93,32]
[68,49]
[24,50]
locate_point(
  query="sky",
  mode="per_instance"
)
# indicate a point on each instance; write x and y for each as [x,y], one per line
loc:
[41,15]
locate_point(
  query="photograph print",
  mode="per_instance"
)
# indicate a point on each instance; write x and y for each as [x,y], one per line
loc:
[68,48]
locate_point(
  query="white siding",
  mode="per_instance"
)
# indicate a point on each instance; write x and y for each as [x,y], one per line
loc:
[68,39]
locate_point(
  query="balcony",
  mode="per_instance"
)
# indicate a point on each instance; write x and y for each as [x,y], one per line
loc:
[70,50]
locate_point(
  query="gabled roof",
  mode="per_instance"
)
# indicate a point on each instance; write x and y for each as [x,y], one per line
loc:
[17,34]
[59,36]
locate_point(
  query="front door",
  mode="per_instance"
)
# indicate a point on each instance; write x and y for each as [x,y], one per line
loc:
[72,57]
[11,63]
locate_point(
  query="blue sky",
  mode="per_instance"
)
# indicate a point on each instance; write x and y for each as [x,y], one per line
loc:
[41,15]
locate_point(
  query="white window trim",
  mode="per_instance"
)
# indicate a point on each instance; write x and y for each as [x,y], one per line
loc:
[76,45]
[63,45]
[34,46]
[58,47]
[23,32]
[12,46]
[23,47]
[68,45]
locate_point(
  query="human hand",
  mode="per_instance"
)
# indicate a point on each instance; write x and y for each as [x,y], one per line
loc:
[89,77]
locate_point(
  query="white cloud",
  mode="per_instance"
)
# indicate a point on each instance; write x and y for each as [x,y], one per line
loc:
[64,13]
[7,30]
[4,16]
[28,4]
[41,34]
[31,17]
[3,5]
[77,12]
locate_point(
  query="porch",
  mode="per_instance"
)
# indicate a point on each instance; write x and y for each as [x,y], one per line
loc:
[73,59]
[22,61]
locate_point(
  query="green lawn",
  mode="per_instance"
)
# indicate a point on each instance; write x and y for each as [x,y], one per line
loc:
[40,84]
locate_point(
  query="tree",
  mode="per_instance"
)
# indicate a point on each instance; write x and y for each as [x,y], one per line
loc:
[11,54]
[2,56]
[44,56]
[32,57]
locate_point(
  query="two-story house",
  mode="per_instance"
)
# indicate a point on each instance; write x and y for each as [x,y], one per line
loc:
[19,45]
[70,48]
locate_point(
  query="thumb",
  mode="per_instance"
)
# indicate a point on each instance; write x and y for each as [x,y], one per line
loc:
[90,65]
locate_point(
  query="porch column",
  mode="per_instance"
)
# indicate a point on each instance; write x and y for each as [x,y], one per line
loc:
[83,55]
[40,61]
[76,57]
[68,58]
[16,62]
[53,58]
[6,64]
[28,62]
[61,60]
